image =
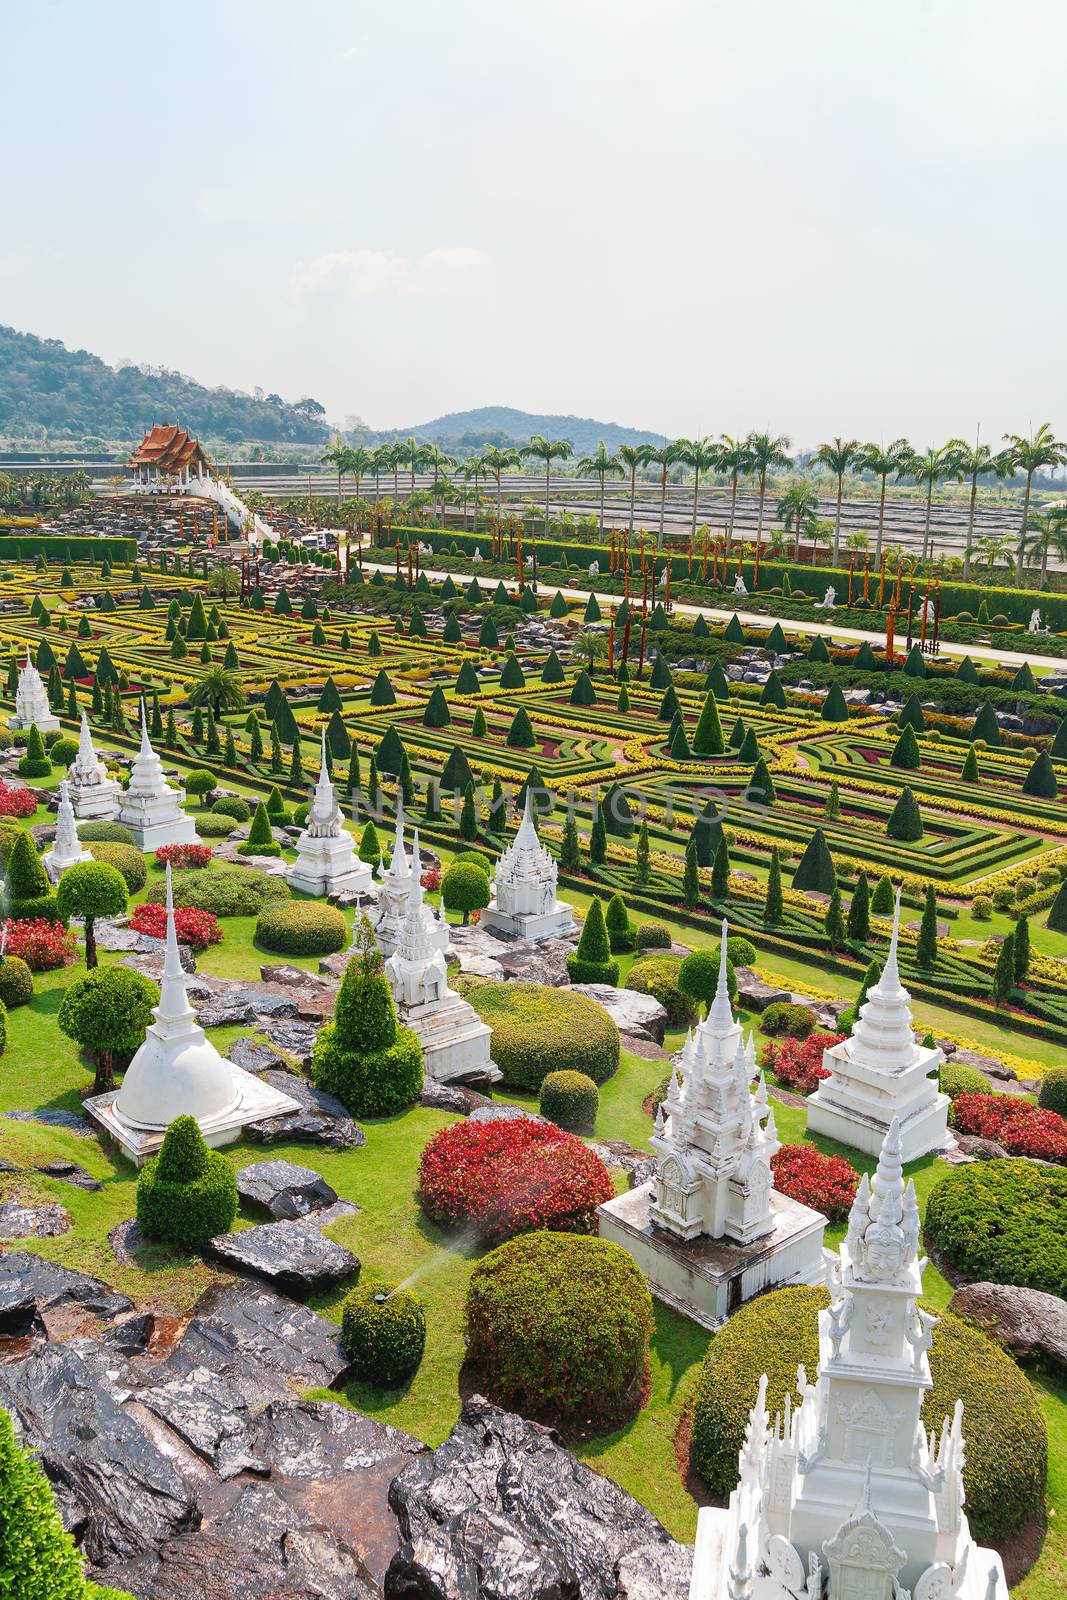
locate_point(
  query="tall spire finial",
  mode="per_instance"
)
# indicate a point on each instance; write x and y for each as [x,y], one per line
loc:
[889,982]
[720,1013]
[173,1000]
[146,747]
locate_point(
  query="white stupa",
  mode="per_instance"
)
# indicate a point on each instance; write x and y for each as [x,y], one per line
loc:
[523,901]
[177,1072]
[151,807]
[845,1495]
[710,1230]
[389,914]
[67,849]
[456,1043]
[882,1072]
[326,860]
[31,701]
[94,796]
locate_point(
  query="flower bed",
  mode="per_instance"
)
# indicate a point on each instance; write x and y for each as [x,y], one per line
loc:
[511,1177]
[431,879]
[16,802]
[42,944]
[798,1062]
[183,855]
[197,929]
[1022,1128]
[828,1183]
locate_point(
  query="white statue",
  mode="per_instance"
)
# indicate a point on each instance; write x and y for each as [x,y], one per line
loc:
[477,556]
[828,601]
[739,587]
[594,569]
[1035,625]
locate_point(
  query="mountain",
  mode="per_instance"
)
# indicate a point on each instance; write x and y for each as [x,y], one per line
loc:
[503,425]
[75,395]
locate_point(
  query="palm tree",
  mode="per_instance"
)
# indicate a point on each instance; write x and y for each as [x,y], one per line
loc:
[360,463]
[797,509]
[974,462]
[993,548]
[417,502]
[436,458]
[633,456]
[497,461]
[764,453]
[735,458]
[838,456]
[1029,455]
[225,581]
[339,456]
[882,460]
[381,462]
[1045,530]
[929,469]
[598,466]
[665,459]
[859,543]
[473,468]
[703,456]
[219,687]
[547,450]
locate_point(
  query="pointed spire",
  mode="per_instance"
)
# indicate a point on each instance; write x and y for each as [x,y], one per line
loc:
[887,1186]
[173,1000]
[889,982]
[740,1584]
[720,1014]
[527,831]
[146,746]
[398,864]
[86,753]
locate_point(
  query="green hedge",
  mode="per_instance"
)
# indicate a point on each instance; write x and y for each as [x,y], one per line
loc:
[659,977]
[78,548]
[372,1083]
[225,891]
[1007,1443]
[1003,1222]
[383,1338]
[301,928]
[126,859]
[537,1030]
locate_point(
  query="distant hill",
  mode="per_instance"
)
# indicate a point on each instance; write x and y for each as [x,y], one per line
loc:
[76,395]
[503,425]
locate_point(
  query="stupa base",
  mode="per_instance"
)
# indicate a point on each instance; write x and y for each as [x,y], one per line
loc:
[55,868]
[922,1131]
[147,836]
[46,722]
[553,924]
[456,1043]
[256,1101]
[100,803]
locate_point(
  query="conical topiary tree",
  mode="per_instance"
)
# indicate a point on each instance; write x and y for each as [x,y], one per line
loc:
[436,714]
[582,691]
[187,1194]
[35,763]
[591,962]
[467,679]
[511,674]
[363,1056]
[717,683]
[552,671]
[720,870]
[670,705]
[28,892]
[987,727]
[906,754]
[905,820]
[774,903]
[926,946]
[678,745]
[834,708]
[912,715]
[772,693]
[817,650]
[1040,781]
[734,631]
[260,841]
[521,735]
[882,898]
[621,933]
[969,771]
[708,831]
[914,663]
[38,1560]
[967,672]
[859,911]
[815,869]
[382,692]
[708,738]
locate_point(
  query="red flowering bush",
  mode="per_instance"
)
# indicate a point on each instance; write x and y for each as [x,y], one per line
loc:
[431,878]
[40,943]
[798,1062]
[1021,1127]
[511,1177]
[195,928]
[16,802]
[183,855]
[828,1183]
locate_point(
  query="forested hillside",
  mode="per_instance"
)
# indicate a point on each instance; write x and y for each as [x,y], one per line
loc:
[503,425]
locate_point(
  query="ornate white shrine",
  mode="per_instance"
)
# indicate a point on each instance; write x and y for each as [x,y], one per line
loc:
[94,796]
[150,807]
[389,915]
[844,1496]
[67,850]
[523,901]
[710,1230]
[177,1072]
[326,860]
[456,1043]
[31,702]
[882,1072]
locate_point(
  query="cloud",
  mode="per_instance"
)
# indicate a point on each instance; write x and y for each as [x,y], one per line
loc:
[367,274]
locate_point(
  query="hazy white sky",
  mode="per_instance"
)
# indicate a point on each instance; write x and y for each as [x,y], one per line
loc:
[685,215]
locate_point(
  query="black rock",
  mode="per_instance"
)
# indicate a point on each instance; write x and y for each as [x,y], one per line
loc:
[253,1055]
[211,1415]
[284,1190]
[323,1118]
[249,1335]
[240,1003]
[29,1284]
[294,1257]
[501,1511]
[19,1221]
[70,1172]
[296,1038]
[130,1335]
[443,1097]
[73,1121]
[116,1491]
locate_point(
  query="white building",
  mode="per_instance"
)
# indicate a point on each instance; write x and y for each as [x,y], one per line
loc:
[67,850]
[881,1073]
[389,915]
[326,860]
[845,1496]
[31,702]
[150,807]
[523,901]
[94,796]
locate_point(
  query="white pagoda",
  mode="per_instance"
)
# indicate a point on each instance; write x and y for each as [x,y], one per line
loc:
[389,915]
[326,860]
[178,1072]
[523,901]
[94,796]
[150,807]
[710,1230]
[67,850]
[882,1072]
[845,1496]
[456,1043]
[31,701]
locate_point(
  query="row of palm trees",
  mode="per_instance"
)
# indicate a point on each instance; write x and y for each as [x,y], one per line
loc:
[752,458]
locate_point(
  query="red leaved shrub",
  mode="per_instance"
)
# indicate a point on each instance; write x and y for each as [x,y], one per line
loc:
[798,1062]
[511,1177]
[41,944]
[431,878]
[184,855]
[195,928]
[828,1183]
[16,802]
[1021,1127]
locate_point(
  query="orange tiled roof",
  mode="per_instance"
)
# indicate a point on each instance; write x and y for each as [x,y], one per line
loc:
[167,447]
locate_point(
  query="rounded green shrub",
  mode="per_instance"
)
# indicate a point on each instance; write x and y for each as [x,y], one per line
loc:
[222,889]
[383,1333]
[1007,1443]
[363,1056]
[654,936]
[16,982]
[231,805]
[538,1030]
[127,861]
[301,928]
[570,1100]
[981,908]
[558,1327]
[1052,1095]
[1003,1222]
[212,825]
[63,752]
[957,1078]
[659,976]
[104,833]
[783,1017]
[187,1194]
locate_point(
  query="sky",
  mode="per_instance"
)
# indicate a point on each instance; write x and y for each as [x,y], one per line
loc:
[684,215]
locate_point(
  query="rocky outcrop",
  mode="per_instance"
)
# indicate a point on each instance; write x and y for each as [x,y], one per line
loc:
[1029,1323]
[31,1287]
[284,1190]
[501,1511]
[256,1056]
[18,1221]
[70,1172]
[754,994]
[242,1331]
[322,1118]
[293,1257]
[639,1016]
